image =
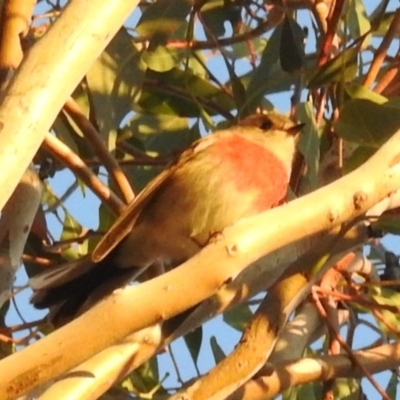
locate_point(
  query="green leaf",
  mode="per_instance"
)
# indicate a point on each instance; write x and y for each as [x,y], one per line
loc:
[306,391]
[216,350]
[69,133]
[182,93]
[162,133]
[193,342]
[162,58]
[389,224]
[238,317]
[106,219]
[367,123]
[342,68]
[259,80]
[239,93]
[346,388]
[216,13]
[391,388]
[291,52]
[72,229]
[356,91]
[309,142]
[359,23]
[144,379]
[156,134]
[241,49]
[163,17]
[389,297]
[384,24]
[358,157]
[114,83]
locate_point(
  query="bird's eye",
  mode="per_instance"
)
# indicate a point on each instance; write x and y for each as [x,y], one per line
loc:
[265,123]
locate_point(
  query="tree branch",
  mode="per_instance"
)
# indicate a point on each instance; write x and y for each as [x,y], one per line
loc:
[48,76]
[238,246]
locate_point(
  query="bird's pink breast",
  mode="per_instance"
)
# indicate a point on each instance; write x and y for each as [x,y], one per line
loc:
[253,168]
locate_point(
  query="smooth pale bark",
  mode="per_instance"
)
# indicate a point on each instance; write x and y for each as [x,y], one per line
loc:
[45,79]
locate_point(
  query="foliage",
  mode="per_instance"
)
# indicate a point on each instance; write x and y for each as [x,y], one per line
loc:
[179,70]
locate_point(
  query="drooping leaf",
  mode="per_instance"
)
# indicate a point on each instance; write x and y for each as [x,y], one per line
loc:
[309,142]
[390,319]
[358,157]
[359,23]
[391,388]
[306,391]
[193,342]
[389,224]
[162,58]
[70,134]
[291,51]
[347,388]
[367,123]
[161,133]
[356,91]
[144,379]
[156,134]
[342,68]
[114,83]
[182,93]
[238,317]
[216,13]
[259,80]
[241,49]
[217,352]
[72,229]
[238,90]
[384,24]
[163,17]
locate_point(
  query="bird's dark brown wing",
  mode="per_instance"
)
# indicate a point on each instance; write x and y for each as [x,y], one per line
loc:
[125,222]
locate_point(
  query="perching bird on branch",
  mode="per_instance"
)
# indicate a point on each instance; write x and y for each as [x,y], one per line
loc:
[222,178]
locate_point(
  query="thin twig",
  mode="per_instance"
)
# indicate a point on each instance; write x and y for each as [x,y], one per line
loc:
[345,346]
[93,138]
[381,52]
[68,158]
[211,45]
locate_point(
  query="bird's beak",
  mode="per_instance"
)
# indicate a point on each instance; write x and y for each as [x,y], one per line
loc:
[294,130]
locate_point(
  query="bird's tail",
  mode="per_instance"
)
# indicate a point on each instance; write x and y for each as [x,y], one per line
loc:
[73,287]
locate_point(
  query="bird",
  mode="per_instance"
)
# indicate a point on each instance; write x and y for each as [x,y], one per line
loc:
[221,178]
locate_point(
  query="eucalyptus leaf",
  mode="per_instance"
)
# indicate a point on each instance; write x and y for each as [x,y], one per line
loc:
[358,157]
[259,80]
[217,351]
[178,92]
[391,388]
[359,23]
[238,317]
[215,14]
[163,17]
[156,134]
[162,58]
[291,52]
[365,122]
[114,82]
[342,68]
[389,224]
[309,142]
[193,342]
[356,91]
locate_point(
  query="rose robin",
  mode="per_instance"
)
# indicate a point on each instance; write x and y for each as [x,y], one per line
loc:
[231,174]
